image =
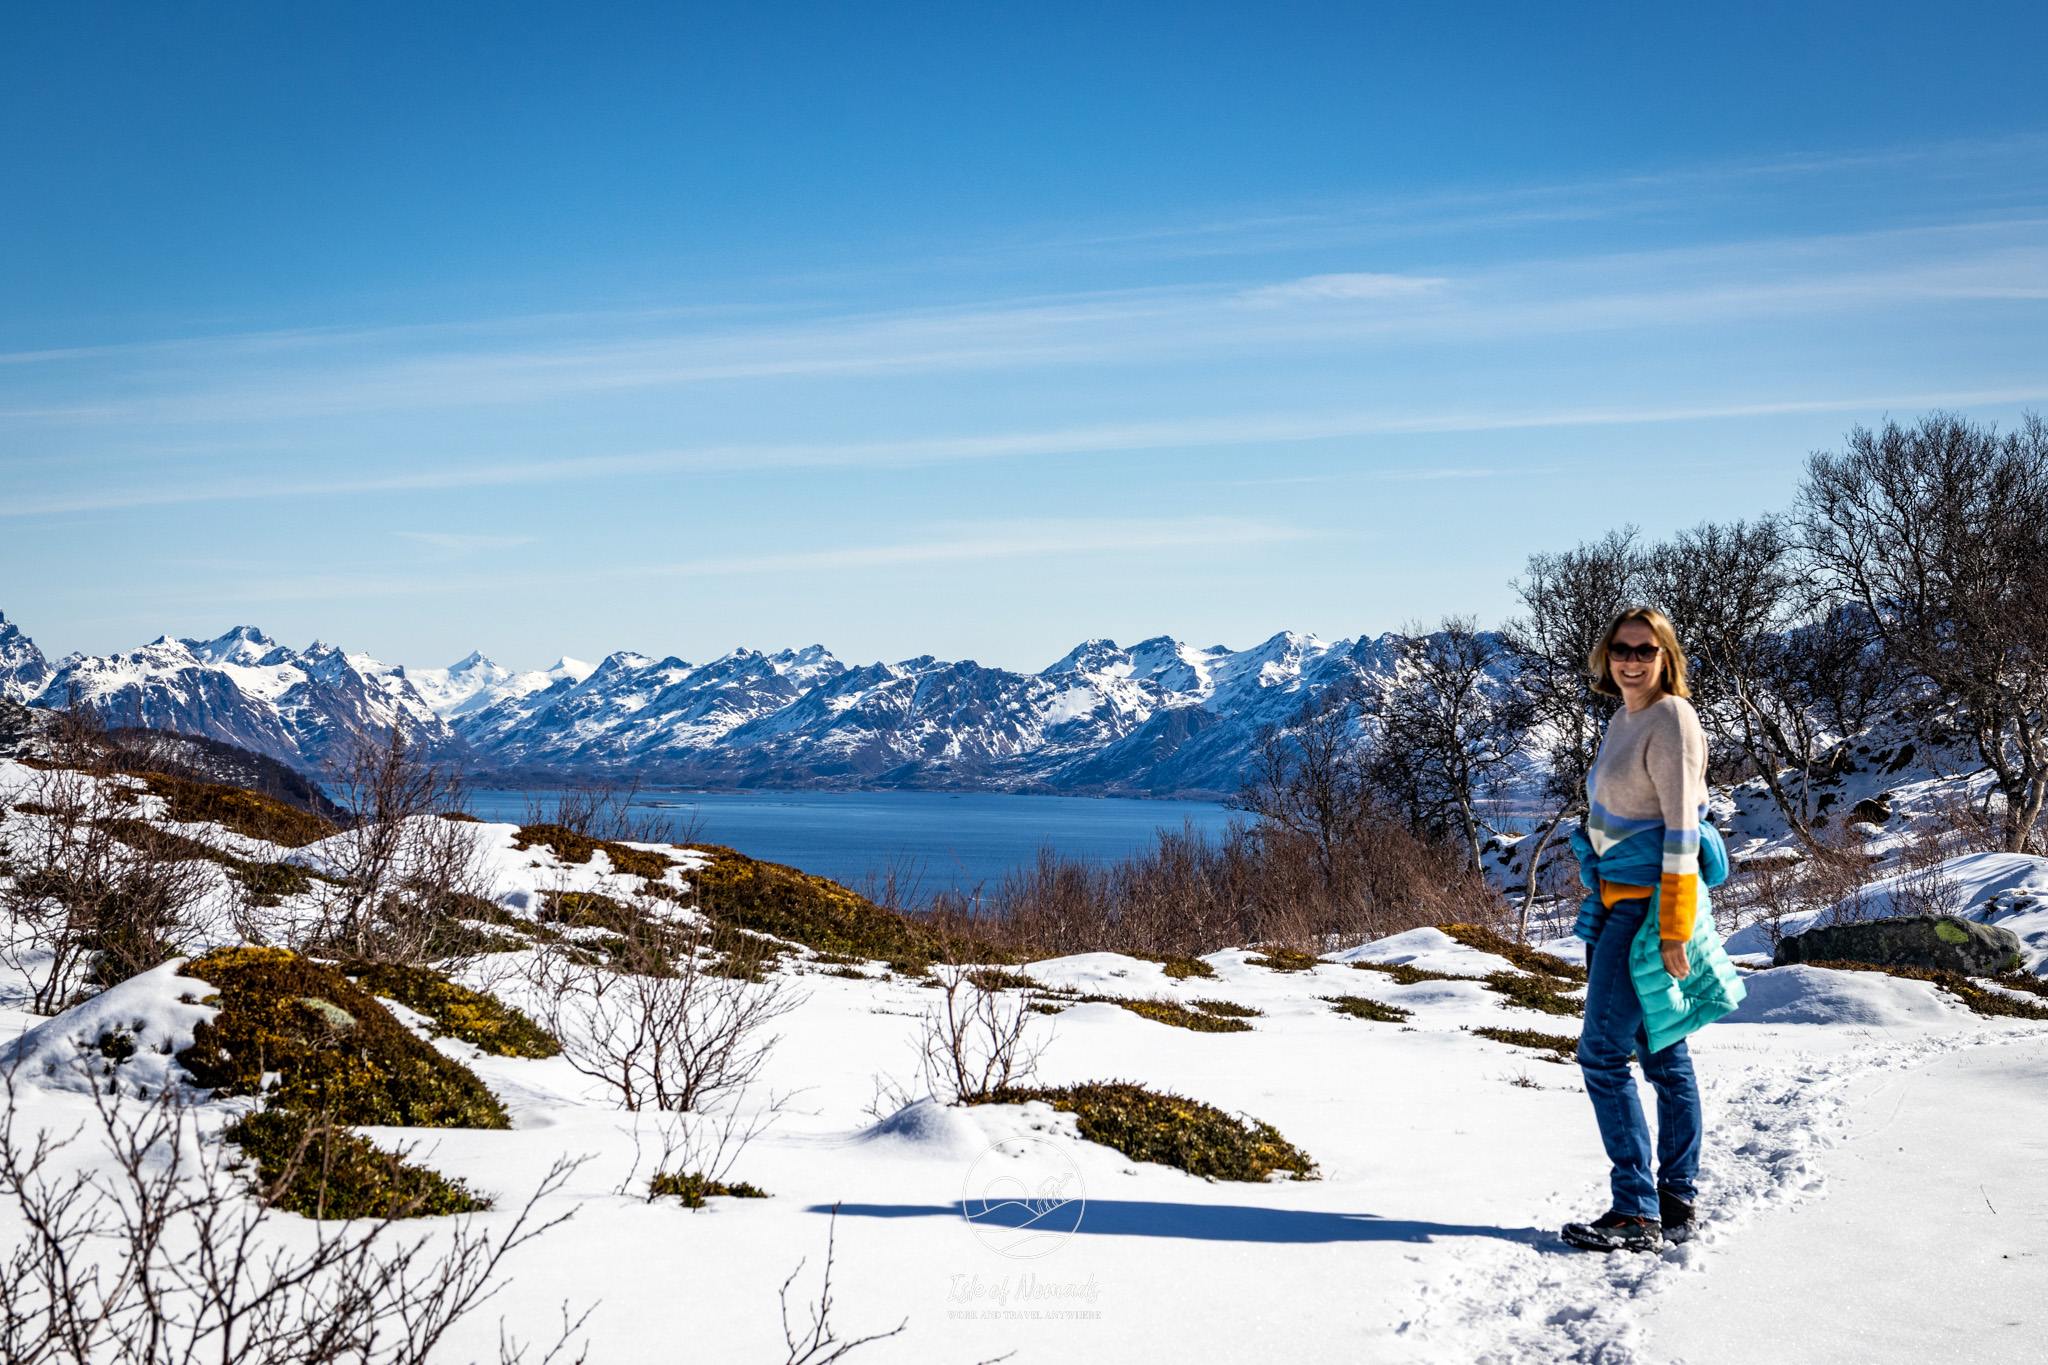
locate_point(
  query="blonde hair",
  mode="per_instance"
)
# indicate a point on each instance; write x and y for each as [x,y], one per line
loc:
[1673,677]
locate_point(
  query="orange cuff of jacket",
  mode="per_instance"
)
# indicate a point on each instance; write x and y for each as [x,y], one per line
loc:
[1678,902]
[1677,906]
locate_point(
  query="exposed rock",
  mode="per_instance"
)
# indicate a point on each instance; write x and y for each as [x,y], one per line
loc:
[1930,942]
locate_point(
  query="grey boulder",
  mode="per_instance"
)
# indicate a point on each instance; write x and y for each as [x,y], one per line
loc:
[1930,942]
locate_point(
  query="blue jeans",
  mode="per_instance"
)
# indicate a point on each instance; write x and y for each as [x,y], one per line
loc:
[1613,1029]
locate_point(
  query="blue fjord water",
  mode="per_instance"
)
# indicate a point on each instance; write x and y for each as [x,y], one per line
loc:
[957,839]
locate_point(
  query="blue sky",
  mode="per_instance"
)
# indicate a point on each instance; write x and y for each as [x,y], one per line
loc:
[546,329]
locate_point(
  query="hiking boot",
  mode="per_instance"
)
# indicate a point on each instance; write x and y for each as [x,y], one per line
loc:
[1613,1231]
[1677,1218]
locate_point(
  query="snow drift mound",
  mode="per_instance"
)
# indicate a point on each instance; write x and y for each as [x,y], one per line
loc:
[925,1128]
[128,1036]
[1816,995]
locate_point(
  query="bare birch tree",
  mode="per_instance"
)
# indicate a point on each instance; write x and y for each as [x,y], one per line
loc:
[1450,728]
[1939,533]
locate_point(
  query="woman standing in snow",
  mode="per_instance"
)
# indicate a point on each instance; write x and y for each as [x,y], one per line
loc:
[1654,966]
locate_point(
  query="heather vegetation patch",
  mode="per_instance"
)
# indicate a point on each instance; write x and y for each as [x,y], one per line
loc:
[1173,1130]
[2022,981]
[302,1035]
[1538,993]
[589,910]
[1286,960]
[267,883]
[1362,1007]
[695,1187]
[1485,940]
[457,1011]
[996,979]
[1226,1009]
[1990,1004]
[1174,1013]
[572,847]
[1181,968]
[1404,975]
[323,1170]
[769,898]
[238,809]
[1563,1047]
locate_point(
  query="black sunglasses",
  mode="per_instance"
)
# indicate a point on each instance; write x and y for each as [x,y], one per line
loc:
[1640,654]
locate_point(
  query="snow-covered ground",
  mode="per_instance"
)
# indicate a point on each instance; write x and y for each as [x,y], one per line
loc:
[1447,1163]
[1873,1186]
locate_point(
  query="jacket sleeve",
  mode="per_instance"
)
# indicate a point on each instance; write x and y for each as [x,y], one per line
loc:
[1589,861]
[1677,759]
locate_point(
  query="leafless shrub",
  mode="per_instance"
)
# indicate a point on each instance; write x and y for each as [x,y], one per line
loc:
[1831,878]
[162,1258]
[819,1344]
[974,1039]
[704,1144]
[606,810]
[1927,891]
[94,893]
[660,1019]
[890,1096]
[1192,894]
[897,883]
[398,876]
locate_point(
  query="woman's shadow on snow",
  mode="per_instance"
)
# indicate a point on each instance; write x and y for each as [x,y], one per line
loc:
[1230,1223]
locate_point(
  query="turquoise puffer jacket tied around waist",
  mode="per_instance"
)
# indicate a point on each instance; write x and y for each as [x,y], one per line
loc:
[1671,1009]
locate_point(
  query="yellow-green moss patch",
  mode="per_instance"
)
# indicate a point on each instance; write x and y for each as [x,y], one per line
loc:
[798,907]
[238,809]
[457,1011]
[281,1014]
[1173,1130]
[335,1173]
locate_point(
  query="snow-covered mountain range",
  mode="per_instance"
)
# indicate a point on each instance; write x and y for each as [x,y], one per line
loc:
[1157,718]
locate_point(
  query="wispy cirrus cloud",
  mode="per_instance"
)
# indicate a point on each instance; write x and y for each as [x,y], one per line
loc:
[233,381]
[1244,430]
[462,545]
[962,542]
[1357,285]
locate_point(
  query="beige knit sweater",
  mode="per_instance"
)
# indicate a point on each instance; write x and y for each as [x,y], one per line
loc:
[1652,770]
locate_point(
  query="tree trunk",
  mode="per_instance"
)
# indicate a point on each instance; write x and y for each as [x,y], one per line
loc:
[1542,842]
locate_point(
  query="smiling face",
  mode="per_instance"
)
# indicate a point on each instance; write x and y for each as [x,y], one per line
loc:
[1640,680]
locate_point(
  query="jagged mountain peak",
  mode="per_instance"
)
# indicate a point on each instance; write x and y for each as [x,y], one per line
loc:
[24,671]
[238,645]
[1099,655]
